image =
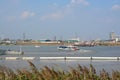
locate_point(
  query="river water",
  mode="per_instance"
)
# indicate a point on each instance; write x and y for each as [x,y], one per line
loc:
[51,51]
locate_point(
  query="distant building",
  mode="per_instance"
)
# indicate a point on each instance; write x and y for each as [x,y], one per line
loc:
[73,40]
[112,36]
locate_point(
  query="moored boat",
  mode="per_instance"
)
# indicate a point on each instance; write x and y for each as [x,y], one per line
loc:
[14,52]
[9,52]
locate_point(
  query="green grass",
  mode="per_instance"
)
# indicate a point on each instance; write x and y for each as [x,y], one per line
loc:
[46,73]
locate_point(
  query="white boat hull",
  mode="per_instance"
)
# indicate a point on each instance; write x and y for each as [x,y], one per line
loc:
[14,52]
[68,48]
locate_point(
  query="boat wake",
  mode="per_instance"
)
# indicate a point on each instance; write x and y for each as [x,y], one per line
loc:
[85,51]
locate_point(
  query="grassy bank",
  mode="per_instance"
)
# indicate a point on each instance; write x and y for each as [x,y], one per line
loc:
[46,73]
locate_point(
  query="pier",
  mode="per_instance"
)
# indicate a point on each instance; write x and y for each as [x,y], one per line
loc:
[60,58]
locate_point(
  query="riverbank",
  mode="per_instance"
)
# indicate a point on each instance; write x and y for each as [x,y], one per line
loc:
[109,44]
[44,43]
[34,43]
[68,43]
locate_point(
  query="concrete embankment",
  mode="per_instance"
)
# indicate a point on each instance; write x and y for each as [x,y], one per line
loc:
[60,58]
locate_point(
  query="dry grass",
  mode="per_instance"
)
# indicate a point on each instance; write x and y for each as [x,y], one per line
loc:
[46,73]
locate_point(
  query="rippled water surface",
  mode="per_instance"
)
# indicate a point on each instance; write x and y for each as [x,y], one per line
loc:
[51,51]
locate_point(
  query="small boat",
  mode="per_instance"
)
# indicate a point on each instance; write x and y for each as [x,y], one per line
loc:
[14,52]
[68,48]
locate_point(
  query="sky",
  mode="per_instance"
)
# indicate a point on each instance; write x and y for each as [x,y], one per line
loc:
[63,19]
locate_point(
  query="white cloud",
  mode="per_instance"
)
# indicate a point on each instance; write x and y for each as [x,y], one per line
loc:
[32,14]
[66,10]
[51,16]
[27,14]
[116,7]
[24,15]
[58,14]
[83,2]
